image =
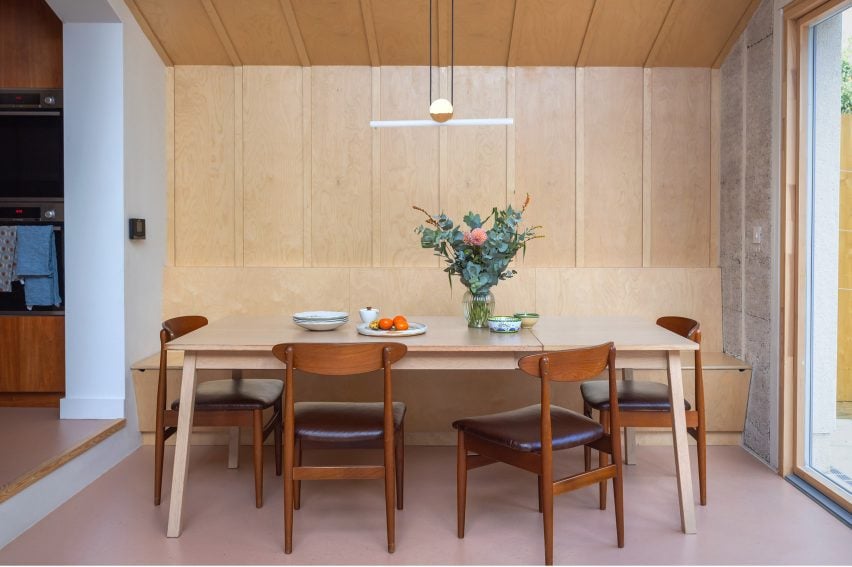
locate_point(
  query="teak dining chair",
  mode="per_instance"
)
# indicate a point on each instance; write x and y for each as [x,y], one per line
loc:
[335,424]
[527,437]
[646,404]
[235,402]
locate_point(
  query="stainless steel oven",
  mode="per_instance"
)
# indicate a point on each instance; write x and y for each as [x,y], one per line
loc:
[28,213]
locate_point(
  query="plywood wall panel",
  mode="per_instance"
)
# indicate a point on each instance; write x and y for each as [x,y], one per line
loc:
[645,292]
[341,164]
[680,167]
[272,166]
[204,166]
[612,167]
[413,291]
[477,156]
[408,167]
[544,160]
[218,292]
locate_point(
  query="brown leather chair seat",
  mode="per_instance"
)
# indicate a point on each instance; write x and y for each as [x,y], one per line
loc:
[345,422]
[520,429]
[244,394]
[633,395]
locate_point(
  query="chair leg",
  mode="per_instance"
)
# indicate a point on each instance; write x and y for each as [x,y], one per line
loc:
[399,457]
[540,509]
[702,465]
[159,449]
[603,459]
[618,495]
[288,493]
[258,458]
[278,433]
[461,484]
[547,505]
[587,451]
[390,480]
[297,484]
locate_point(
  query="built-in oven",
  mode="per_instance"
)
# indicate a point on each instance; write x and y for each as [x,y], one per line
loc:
[34,213]
[31,152]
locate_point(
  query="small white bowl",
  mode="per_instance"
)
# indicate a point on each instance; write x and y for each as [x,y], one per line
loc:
[504,324]
[320,325]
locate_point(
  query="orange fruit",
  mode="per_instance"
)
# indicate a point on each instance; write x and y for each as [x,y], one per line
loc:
[385,324]
[400,320]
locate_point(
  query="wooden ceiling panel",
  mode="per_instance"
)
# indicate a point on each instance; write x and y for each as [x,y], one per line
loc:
[333,31]
[185,31]
[695,32]
[549,32]
[402,31]
[483,30]
[585,33]
[622,32]
[259,34]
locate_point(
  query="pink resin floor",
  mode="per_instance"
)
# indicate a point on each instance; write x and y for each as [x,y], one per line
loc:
[753,517]
[29,437]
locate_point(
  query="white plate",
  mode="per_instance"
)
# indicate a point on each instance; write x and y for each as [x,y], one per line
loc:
[341,319]
[320,315]
[321,325]
[413,329]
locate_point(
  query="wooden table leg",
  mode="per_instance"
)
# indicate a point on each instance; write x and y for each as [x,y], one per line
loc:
[681,445]
[629,432]
[184,430]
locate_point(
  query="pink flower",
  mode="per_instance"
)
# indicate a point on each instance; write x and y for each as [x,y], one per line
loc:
[475,237]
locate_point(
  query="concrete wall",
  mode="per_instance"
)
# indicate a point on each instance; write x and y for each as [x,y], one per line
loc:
[748,220]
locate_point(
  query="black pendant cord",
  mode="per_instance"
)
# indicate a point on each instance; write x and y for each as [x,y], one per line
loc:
[430,52]
[452,47]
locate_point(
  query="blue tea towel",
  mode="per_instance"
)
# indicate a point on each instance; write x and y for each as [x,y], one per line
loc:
[36,265]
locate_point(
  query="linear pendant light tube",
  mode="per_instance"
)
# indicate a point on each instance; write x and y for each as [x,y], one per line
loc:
[452,122]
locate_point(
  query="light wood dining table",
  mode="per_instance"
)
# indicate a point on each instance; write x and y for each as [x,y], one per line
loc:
[245,342]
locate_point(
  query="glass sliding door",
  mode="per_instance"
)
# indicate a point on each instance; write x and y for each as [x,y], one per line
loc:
[826,396]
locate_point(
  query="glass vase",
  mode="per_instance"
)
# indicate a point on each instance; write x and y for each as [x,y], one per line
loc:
[478,307]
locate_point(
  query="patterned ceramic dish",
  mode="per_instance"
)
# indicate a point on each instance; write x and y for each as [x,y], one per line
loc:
[504,324]
[527,319]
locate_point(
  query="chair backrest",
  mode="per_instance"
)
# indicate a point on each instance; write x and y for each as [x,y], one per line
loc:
[687,328]
[569,365]
[340,359]
[172,329]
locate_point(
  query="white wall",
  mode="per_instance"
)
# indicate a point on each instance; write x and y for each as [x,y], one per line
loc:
[144,197]
[94,221]
[115,167]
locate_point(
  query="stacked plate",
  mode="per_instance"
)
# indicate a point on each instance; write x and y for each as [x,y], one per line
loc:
[320,320]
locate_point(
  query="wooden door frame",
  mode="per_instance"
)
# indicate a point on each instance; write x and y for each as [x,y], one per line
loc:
[798,16]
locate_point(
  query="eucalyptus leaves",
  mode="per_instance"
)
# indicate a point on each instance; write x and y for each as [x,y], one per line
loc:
[479,256]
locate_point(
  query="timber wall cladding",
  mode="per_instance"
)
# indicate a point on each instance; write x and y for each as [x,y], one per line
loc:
[276,167]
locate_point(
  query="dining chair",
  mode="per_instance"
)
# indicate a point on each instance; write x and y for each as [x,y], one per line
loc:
[646,404]
[235,402]
[527,437]
[341,424]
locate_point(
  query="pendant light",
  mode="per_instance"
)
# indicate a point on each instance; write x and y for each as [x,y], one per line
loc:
[441,109]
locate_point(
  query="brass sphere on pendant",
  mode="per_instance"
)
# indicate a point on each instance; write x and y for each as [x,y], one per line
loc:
[441,110]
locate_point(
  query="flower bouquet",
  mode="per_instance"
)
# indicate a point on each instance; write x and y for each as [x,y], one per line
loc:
[480,257]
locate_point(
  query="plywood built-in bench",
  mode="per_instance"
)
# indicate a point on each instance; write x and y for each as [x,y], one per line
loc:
[436,398]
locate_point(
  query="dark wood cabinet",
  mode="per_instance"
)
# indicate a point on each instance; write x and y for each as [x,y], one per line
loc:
[32,360]
[30,45]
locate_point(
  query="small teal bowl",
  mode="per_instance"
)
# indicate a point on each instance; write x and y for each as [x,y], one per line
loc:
[504,324]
